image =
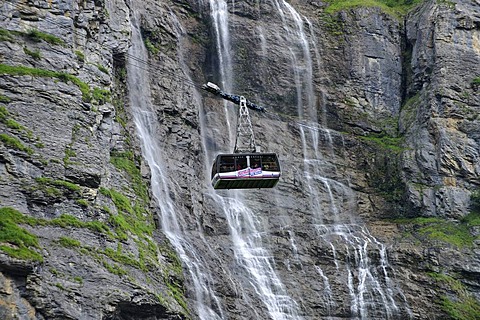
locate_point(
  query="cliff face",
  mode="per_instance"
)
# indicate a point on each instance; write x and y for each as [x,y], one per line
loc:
[78,233]
[440,119]
[374,120]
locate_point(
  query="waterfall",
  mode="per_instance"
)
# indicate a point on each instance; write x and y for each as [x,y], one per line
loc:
[219,13]
[372,293]
[254,258]
[147,128]
[246,232]
[369,291]
[327,292]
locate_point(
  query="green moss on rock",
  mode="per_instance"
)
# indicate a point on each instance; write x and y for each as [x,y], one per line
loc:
[456,233]
[396,8]
[459,304]
[65,77]
[37,35]
[15,241]
[14,143]
[125,161]
[69,242]
[386,142]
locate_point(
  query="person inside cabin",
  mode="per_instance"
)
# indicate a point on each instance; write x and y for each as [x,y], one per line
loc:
[223,167]
[227,164]
[255,163]
[241,163]
[269,163]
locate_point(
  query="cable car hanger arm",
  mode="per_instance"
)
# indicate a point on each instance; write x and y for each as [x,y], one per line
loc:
[213,88]
[245,140]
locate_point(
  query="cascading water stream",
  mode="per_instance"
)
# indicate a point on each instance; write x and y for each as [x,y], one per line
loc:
[146,125]
[219,13]
[370,289]
[371,292]
[246,231]
[253,257]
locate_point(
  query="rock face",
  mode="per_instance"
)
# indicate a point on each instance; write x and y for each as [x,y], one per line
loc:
[440,119]
[71,173]
[374,120]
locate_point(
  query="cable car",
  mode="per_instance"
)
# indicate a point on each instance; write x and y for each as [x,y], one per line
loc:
[246,167]
[245,171]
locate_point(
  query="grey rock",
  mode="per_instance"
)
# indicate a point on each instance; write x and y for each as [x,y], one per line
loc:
[320,233]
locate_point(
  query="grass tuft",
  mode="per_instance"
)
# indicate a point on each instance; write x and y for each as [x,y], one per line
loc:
[69,242]
[456,233]
[80,55]
[14,240]
[4,99]
[395,8]
[14,143]
[65,77]
[34,54]
[39,36]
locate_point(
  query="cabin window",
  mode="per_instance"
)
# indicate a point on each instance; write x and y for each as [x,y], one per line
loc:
[269,163]
[241,163]
[227,164]
[255,162]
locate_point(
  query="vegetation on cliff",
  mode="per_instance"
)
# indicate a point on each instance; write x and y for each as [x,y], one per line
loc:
[392,7]
[453,288]
[457,302]
[32,34]
[16,241]
[437,229]
[100,95]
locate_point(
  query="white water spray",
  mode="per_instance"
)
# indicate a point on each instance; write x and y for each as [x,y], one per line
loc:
[371,293]
[246,231]
[252,256]
[146,125]
[219,13]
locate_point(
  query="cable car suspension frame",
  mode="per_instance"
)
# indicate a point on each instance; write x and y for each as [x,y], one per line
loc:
[247,167]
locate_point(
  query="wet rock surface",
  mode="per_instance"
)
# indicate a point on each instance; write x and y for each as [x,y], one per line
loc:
[376,121]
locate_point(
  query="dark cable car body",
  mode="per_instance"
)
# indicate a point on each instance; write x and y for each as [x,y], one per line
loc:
[246,167]
[245,171]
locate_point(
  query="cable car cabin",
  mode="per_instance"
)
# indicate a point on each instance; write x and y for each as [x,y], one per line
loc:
[245,171]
